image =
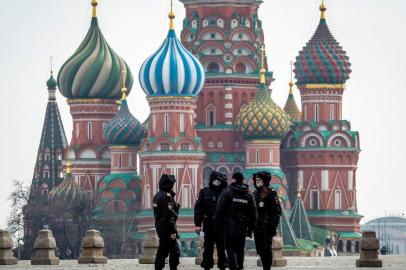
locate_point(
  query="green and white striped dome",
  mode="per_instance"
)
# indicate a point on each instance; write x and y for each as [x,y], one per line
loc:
[94,70]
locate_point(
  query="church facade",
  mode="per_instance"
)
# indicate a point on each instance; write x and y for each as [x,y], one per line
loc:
[211,108]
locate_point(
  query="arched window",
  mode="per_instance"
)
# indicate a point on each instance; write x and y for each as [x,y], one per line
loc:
[240,68]
[166,123]
[182,123]
[257,156]
[211,115]
[89,131]
[332,112]
[316,112]
[337,200]
[305,112]
[223,170]
[213,67]
[349,246]
[120,161]
[270,156]
[77,127]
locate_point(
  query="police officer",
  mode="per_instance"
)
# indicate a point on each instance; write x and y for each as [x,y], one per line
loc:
[166,211]
[236,210]
[205,209]
[269,212]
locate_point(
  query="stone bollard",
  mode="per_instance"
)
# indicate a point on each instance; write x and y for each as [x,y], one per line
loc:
[369,251]
[6,244]
[92,248]
[277,257]
[150,247]
[44,249]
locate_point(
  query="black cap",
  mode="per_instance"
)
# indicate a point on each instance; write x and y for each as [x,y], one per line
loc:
[239,177]
[264,175]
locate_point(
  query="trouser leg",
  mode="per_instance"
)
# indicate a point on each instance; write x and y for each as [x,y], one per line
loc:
[208,251]
[263,243]
[221,254]
[240,252]
[232,253]
[174,254]
[162,253]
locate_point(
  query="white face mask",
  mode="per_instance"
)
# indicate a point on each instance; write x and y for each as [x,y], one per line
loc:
[260,183]
[216,183]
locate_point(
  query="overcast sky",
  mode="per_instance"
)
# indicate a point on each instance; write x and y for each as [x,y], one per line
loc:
[371,31]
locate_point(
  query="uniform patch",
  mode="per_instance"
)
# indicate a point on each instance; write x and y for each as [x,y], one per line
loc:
[154,205]
[240,200]
[214,198]
[170,206]
[261,204]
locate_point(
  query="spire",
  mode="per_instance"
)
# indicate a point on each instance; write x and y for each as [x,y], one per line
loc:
[68,168]
[94,5]
[51,146]
[299,195]
[290,105]
[51,83]
[323,10]
[124,89]
[262,80]
[300,221]
[171,17]
[286,231]
[291,79]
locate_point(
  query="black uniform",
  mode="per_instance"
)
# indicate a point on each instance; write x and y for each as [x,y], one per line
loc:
[236,210]
[205,209]
[269,212]
[166,211]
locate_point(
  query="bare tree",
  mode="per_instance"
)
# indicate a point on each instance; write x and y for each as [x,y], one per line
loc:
[19,199]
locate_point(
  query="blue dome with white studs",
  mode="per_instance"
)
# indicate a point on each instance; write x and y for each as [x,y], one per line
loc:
[172,70]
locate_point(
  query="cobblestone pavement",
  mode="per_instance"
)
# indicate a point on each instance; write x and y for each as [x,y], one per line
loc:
[294,263]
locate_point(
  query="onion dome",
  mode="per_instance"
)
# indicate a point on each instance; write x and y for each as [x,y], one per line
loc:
[68,194]
[172,70]
[51,83]
[262,118]
[94,70]
[322,60]
[124,128]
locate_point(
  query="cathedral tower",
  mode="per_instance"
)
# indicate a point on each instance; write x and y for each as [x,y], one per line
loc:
[262,124]
[226,36]
[48,171]
[172,78]
[91,81]
[321,151]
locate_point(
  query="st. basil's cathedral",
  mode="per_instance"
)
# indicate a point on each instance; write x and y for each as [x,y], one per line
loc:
[211,108]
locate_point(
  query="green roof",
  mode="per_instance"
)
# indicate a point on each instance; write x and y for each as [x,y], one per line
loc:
[286,231]
[347,235]
[333,213]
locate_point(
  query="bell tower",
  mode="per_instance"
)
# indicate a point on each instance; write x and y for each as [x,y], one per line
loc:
[226,36]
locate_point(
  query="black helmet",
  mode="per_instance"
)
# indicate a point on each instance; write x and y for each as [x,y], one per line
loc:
[265,176]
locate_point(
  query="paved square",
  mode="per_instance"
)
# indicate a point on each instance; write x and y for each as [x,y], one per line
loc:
[294,263]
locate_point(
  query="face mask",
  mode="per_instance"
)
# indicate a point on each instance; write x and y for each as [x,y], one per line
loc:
[216,183]
[260,183]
